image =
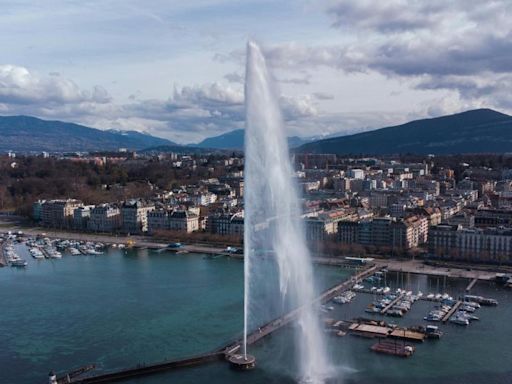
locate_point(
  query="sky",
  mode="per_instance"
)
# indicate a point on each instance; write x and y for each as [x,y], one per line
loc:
[175,69]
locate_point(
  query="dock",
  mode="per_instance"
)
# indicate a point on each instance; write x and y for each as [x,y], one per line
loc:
[471,284]
[220,354]
[407,334]
[3,261]
[144,370]
[369,330]
[387,307]
[452,310]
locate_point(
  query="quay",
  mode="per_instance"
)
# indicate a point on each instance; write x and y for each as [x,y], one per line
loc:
[222,354]
[420,268]
[452,310]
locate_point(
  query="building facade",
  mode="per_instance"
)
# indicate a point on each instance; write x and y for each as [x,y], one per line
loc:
[104,218]
[134,215]
[492,245]
[58,213]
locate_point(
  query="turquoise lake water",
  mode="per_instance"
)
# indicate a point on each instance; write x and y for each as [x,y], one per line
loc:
[123,309]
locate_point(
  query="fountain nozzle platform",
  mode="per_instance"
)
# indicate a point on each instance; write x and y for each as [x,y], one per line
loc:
[242,362]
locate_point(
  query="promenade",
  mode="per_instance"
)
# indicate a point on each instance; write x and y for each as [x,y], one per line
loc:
[393,265]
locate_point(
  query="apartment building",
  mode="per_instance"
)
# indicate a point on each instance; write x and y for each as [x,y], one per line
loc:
[385,232]
[226,224]
[134,215]
[104,218]
[58,213]
[173,220]
[492,245]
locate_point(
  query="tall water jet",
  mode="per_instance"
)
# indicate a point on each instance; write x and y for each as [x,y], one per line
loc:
[278,269]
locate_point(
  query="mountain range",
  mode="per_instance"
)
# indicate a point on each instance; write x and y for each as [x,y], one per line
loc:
[235,140]
[475,131]
[30,134]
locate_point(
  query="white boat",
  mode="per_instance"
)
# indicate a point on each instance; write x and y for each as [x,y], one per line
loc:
[92,251]
[74,251]
[53,253]
[471,304]
[36,253]
[467,308]
[459,320]
[19,263]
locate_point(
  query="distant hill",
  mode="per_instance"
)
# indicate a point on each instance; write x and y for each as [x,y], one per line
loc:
[475,131]
[235,140]
[27,134]
[182,149]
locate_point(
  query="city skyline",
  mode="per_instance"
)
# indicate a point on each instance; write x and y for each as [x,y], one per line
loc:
[176,70]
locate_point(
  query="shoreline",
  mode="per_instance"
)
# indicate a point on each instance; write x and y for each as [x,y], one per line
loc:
[468,271]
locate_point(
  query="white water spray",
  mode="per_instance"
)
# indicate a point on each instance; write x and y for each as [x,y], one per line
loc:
[278,269]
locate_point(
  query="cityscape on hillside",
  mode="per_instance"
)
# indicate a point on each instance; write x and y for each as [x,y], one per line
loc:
[254,191]
[402,206]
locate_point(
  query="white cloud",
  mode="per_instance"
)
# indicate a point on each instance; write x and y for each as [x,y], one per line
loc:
[20,86]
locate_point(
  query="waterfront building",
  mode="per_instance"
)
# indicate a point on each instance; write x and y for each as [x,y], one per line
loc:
[406,233]
[81,216]
[454,242]
[104,218]
[173,220]
[323,225]
[58,213]
[182,220]
[226,224]
[134,214]
[158,220]
[37,210]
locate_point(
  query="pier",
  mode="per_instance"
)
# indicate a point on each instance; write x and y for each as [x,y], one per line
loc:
[452,310]
[144,370]
[221,354]
[387,307]
[471,284]
[3,261]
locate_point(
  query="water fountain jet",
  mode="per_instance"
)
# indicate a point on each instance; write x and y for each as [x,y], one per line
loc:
[277,265]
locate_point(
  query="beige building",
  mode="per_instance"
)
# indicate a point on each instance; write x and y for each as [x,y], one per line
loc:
[58,213]
[410,232]
[134,215]
[177,220]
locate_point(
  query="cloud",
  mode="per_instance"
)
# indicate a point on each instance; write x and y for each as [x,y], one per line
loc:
[461,46]
[20,86]
[190,113]
[385,16]
[234,77]
[323,96]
